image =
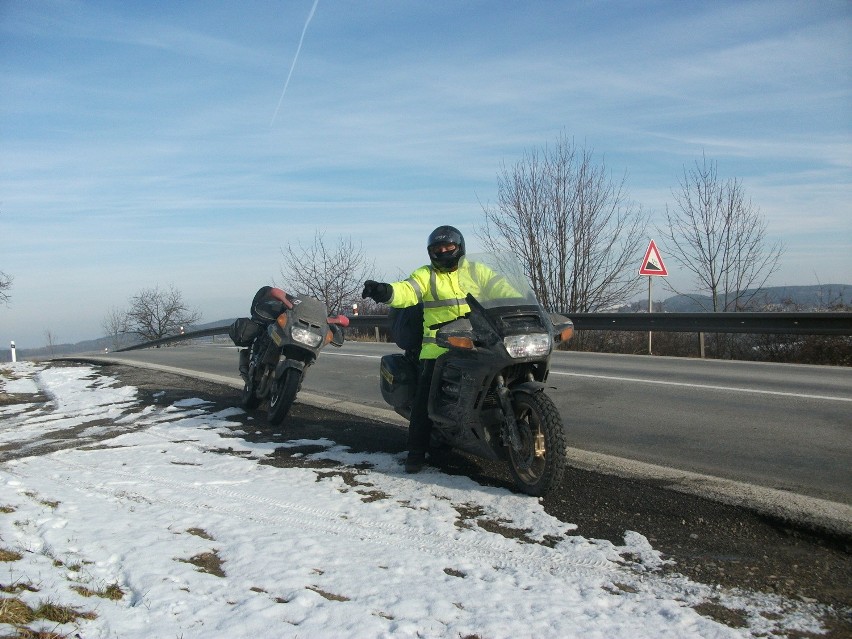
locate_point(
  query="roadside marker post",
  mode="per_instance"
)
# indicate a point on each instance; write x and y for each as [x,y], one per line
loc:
[14,355]
[652,265]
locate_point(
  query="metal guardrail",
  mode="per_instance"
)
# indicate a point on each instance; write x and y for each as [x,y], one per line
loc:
[780,323]
[207,332]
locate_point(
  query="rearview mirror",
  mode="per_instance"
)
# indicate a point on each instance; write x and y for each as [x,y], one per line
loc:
[563,328]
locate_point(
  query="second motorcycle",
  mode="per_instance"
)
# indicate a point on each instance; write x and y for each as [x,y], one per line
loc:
[282,338]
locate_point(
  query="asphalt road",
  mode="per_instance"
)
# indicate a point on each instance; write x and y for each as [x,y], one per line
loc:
[782,427]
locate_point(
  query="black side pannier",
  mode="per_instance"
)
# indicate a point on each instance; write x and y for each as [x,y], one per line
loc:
[406,327]
[398,375]
[243,331]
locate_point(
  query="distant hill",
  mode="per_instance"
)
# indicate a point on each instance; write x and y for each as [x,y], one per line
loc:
[803,298]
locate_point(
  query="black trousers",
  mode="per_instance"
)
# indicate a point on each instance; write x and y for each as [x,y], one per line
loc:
[420,426]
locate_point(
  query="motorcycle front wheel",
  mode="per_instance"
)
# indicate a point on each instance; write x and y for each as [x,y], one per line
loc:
[283,394]
[541,460]
[249,399]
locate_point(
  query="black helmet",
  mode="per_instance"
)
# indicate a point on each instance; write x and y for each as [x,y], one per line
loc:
[447,261]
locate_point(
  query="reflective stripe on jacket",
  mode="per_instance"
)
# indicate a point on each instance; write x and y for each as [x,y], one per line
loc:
[443,296]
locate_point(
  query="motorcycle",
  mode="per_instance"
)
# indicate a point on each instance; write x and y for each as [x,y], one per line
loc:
[487,395]
[283,337]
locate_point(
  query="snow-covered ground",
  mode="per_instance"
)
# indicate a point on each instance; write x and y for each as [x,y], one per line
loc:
[202,540]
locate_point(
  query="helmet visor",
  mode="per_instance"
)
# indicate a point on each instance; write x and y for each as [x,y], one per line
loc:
[437,250]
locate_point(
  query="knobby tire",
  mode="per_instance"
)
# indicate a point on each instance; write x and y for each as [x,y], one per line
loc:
[536,413]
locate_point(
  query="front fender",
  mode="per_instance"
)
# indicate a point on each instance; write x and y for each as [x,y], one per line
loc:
[528,387]
[284,364]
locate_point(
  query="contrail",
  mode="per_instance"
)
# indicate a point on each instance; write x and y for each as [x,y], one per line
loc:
[295,57]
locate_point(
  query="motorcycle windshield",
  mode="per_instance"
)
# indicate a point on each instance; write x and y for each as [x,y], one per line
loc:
[495,280]
[310,310]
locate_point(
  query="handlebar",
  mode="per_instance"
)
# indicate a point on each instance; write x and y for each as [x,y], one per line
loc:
[340,320]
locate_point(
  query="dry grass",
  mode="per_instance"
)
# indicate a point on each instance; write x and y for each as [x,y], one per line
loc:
[26,633]
[199,532]
[9,555]
[113,592]
[16,613]
[44,502]
[61,614]
[15,588]
[7,399]
[327,595]
[208,562]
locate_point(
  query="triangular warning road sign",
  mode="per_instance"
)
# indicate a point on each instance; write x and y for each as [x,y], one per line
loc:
[653,263]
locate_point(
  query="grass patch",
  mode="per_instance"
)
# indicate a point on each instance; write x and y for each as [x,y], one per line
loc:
[44,502]
[9,555]
[14,589]
[15,612]
[208,562]
[370,496]
[7,399]
[619,589]
[327,595]
[61,614]
[113,592]
[199,532]
[6,510]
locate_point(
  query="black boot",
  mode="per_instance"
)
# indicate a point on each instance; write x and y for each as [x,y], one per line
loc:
[414,462]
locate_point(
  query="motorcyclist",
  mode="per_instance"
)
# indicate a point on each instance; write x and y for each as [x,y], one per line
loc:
[441,286]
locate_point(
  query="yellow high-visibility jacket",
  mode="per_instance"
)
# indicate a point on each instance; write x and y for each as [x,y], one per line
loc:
[443,295]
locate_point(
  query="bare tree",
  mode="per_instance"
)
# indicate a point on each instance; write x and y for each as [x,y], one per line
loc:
[115,326]
[334,275]
[572,226]
[50,338]
[156,313]
[719,236]
[5,285]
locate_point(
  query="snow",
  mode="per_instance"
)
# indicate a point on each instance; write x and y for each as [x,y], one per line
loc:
[141,494]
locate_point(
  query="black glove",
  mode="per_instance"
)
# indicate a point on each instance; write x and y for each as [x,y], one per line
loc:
[377,290]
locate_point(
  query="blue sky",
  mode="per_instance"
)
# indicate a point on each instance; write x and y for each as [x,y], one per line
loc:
[149,143]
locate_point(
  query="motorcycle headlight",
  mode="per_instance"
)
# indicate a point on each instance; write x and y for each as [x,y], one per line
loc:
[531,345]
[305,336]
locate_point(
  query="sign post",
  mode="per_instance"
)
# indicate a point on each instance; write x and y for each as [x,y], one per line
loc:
[652,265]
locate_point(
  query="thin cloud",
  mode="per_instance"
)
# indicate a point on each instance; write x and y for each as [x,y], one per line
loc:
[295,58]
